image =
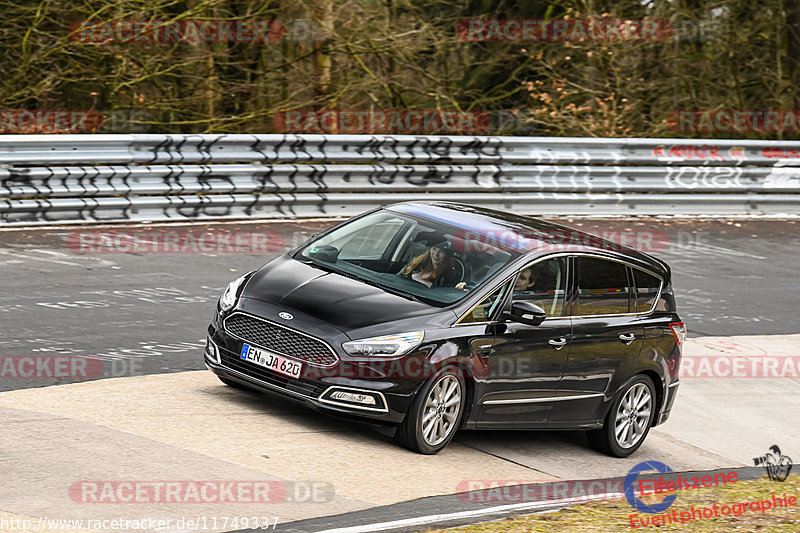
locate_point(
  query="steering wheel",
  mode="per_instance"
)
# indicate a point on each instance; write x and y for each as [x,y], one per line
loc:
[461,270]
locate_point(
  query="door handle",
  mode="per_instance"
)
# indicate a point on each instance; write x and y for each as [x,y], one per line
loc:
[484,349]
[626,338]
[557,343]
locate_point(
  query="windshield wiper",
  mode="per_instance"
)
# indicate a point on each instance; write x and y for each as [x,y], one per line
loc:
[325,266]
[396,292]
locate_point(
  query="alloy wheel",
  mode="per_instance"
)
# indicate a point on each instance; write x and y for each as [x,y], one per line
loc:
[442,406]
[633,416]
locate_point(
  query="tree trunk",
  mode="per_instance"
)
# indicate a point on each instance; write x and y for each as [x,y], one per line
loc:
[792,10]
[322,14]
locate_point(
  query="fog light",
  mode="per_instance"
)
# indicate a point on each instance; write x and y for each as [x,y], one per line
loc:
[212,352]
[366,400]
[353,397]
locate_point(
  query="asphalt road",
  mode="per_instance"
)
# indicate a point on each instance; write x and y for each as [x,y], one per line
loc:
[145,312]
[191,427]
[142,312]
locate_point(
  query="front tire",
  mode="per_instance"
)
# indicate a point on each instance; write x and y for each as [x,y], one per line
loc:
[435,414]
[628,421]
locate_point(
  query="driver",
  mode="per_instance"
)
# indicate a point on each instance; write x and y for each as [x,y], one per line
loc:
[525,282]
[524,290]
[433,267]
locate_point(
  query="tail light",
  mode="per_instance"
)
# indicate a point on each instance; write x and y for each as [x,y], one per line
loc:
[679,331]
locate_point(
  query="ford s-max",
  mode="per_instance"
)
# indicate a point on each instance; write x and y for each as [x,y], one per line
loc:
[434,317]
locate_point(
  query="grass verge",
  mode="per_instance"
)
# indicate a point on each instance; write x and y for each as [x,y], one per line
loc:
[615,515]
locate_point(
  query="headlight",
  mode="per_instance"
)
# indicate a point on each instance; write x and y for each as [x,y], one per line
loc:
[387,345]
[228,298]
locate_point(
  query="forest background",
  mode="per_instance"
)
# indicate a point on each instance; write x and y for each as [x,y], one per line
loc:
[402,66]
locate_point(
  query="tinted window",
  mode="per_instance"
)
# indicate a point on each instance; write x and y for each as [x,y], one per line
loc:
[543,284]
[393,251]
[484,310]
[647,287]
[602,287]
[369,242]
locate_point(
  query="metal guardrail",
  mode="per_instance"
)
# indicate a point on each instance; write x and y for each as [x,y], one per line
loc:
[105,178]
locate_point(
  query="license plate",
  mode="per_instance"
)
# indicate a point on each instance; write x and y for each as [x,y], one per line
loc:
[274,362]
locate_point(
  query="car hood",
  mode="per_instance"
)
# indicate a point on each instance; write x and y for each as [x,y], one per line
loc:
[345,303]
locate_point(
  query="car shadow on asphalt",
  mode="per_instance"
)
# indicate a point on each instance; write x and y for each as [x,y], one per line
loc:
[288,411]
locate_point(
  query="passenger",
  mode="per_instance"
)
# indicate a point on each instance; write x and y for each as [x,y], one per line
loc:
[433,267]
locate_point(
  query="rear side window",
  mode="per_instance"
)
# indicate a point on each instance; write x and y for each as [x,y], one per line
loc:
[647,287]
[602,287]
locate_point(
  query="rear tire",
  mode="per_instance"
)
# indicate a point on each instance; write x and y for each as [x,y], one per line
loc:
[628,421]
[434,415]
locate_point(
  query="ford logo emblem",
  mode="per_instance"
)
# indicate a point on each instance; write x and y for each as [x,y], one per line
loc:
[285,316]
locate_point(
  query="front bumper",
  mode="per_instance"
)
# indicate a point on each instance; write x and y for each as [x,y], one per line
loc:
[393,397]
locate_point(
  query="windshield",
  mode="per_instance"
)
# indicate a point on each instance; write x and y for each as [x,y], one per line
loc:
[416,258]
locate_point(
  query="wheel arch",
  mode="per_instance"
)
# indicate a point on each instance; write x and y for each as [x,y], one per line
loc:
[658,385]
[465,371]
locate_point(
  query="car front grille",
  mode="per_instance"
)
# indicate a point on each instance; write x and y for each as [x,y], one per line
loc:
[280,339]
[299,386]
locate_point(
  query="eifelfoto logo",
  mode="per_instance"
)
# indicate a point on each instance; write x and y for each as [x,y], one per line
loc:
[776,464]
[630,487]
[668,484]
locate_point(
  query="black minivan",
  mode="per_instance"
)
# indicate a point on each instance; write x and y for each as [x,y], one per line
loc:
[434,317]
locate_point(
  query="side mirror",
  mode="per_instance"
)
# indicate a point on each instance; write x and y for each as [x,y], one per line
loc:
[325,252]
[526,313]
